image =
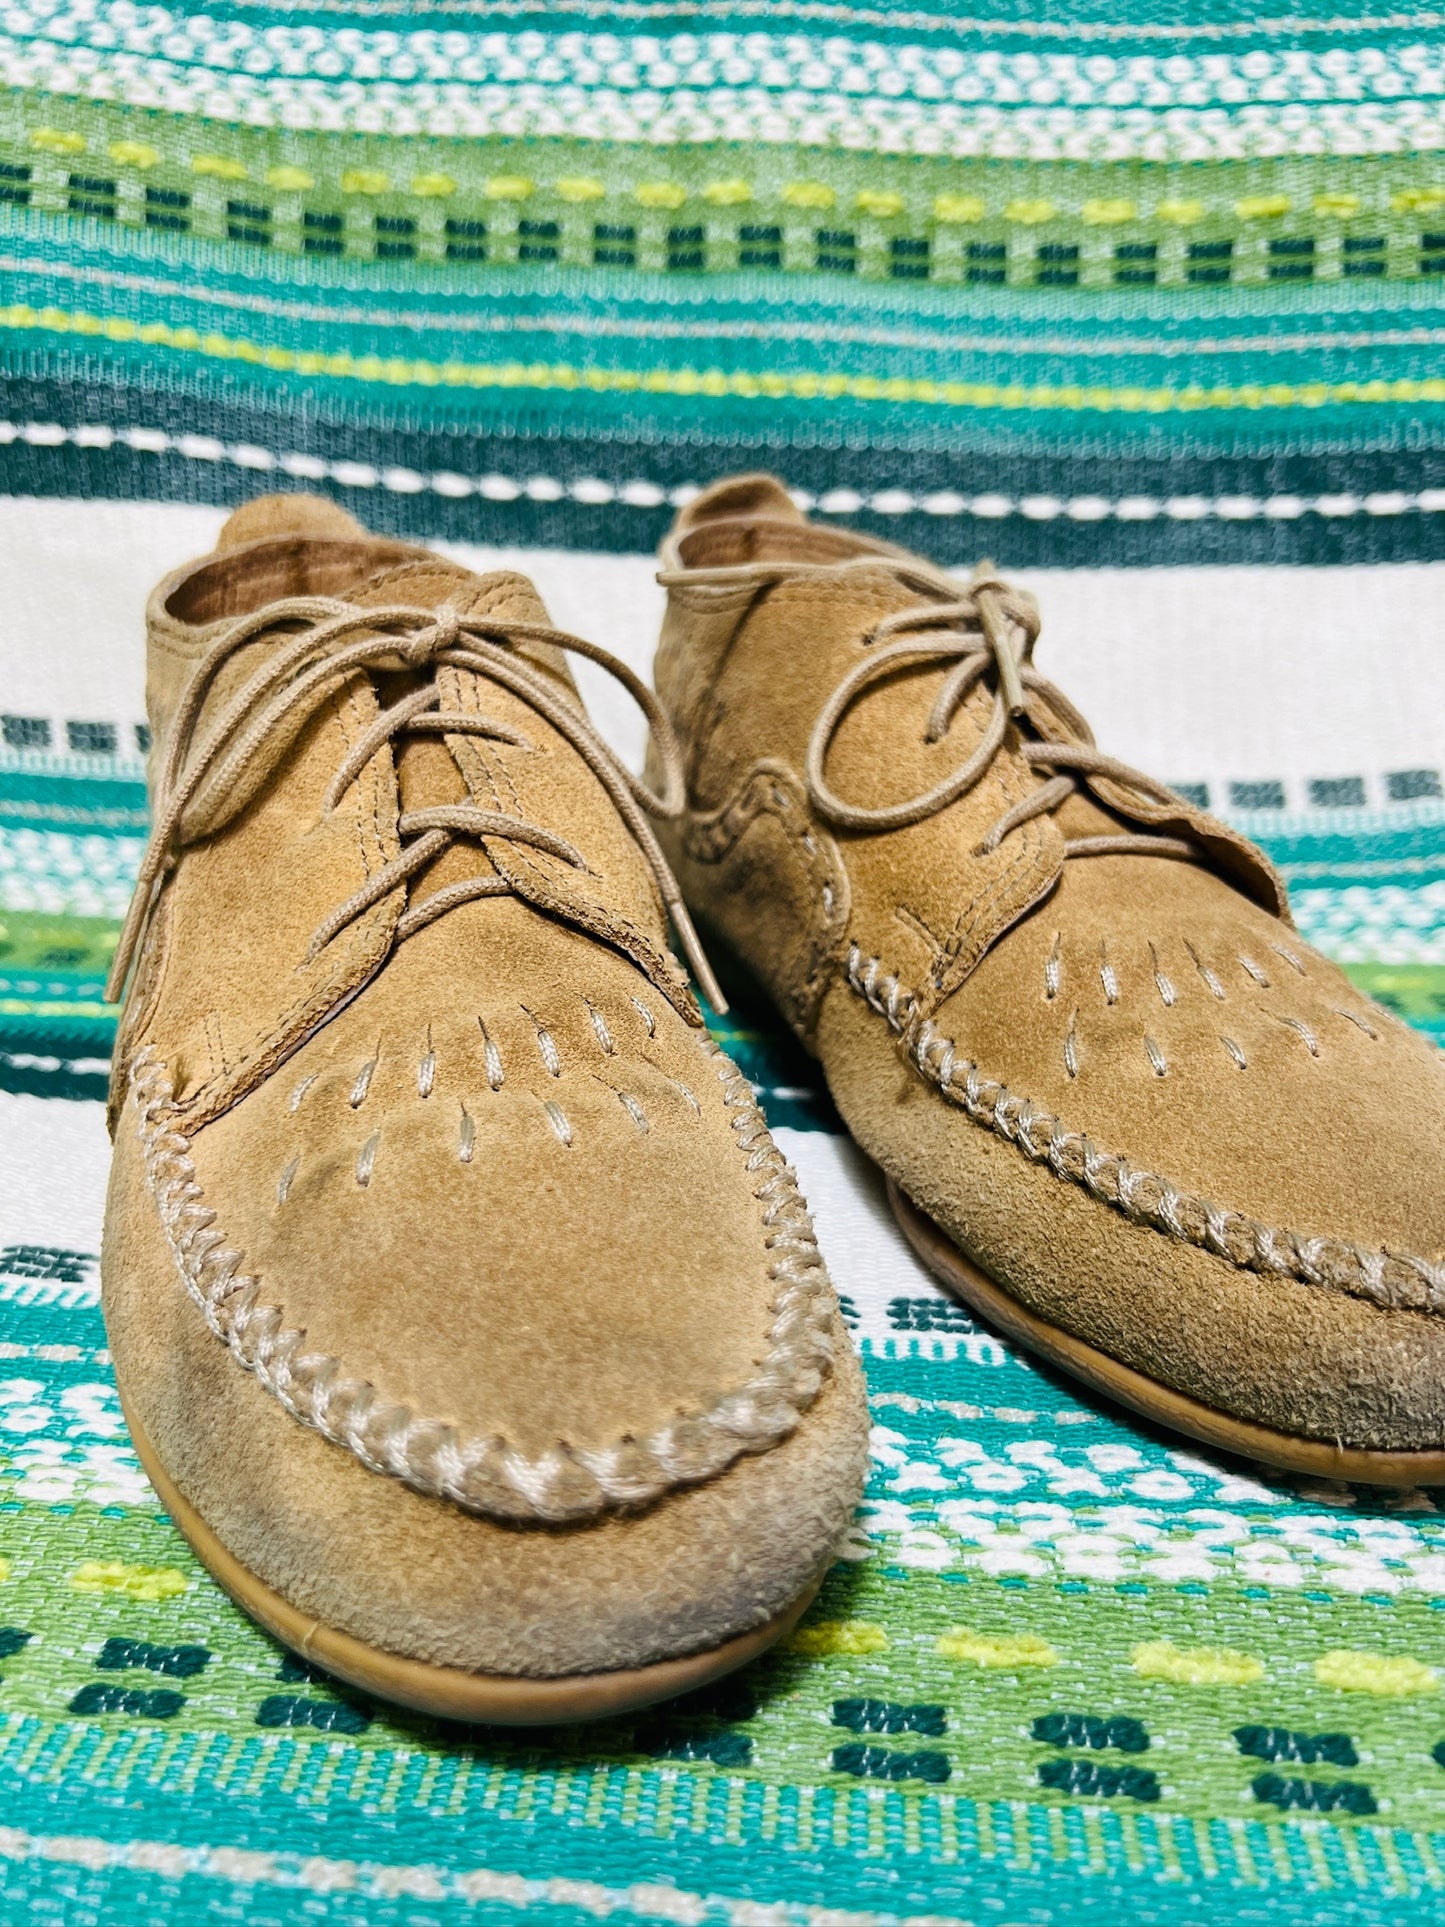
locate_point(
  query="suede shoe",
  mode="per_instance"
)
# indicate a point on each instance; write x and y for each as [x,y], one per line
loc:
[1124,1111]
[465,1316]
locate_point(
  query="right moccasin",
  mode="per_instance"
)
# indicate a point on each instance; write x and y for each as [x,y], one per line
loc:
[1125,1110]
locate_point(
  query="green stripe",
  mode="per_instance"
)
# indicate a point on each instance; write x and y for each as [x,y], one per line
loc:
[280,176]
[1414,992]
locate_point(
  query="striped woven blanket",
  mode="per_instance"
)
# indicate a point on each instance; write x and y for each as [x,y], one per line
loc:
[1143,300]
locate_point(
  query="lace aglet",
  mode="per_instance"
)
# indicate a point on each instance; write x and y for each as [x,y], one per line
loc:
[136,917]
[991,619]
[696,956]
[708,984]
[1008,675]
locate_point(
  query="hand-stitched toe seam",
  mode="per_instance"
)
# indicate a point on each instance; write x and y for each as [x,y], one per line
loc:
[484,1472]
[1396,1281]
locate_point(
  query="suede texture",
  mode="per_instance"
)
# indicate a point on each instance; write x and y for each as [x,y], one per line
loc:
[494,1170]
[419,1577]
[1163,1009]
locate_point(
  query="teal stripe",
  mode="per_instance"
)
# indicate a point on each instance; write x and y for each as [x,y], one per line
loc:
[896,1885]
[1093,24]
[1211,333]
[815,326]
[94,806]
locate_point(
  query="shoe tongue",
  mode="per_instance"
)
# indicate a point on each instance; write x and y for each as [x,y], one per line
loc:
[437,584]
[427,775]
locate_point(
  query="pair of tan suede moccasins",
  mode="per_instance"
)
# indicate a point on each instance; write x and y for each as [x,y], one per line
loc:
[466,1317]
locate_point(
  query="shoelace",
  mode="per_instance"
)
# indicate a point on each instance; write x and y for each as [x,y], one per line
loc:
[975,632]
[302,673]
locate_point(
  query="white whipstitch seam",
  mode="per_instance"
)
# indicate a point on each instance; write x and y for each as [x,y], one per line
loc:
[487,1474]
[590,491]
[1394,1280]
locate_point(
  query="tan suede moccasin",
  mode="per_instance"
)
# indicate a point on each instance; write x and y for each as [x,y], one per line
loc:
[465,1315]
[1124,1111]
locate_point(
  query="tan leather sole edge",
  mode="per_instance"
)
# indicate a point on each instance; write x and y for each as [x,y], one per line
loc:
[1147,1396]
[492,1699]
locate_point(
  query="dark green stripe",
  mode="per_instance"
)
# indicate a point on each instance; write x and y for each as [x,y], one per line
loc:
[675,452]
[62,1080]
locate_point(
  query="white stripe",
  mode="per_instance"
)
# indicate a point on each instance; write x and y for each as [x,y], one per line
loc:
[689,67]
[54,873]
[55,1157]
[588,490]
[640,493]
[1203,675]
[756,87]
[870,1261]
[315,1873]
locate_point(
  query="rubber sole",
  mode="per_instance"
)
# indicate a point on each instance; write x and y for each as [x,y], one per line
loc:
[1147,1396]
[445,1692]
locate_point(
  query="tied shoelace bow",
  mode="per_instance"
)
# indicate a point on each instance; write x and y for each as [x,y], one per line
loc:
[975,632]
[302,673]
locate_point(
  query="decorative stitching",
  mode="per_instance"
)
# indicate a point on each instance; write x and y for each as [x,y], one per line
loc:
[466,1137]
[487,1474]
[687,1095]
[1301,1030]
[1215,987]
[366,1159]
[559,1120]
[1351,1018]
[599,1024]
[1108,976]
[1162,983]
[1397,1281]
[546,1044]
[492,1058]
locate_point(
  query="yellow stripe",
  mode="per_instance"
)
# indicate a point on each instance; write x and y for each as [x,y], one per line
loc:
[721,384]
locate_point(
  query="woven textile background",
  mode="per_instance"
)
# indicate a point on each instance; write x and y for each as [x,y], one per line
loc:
[1142,299]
